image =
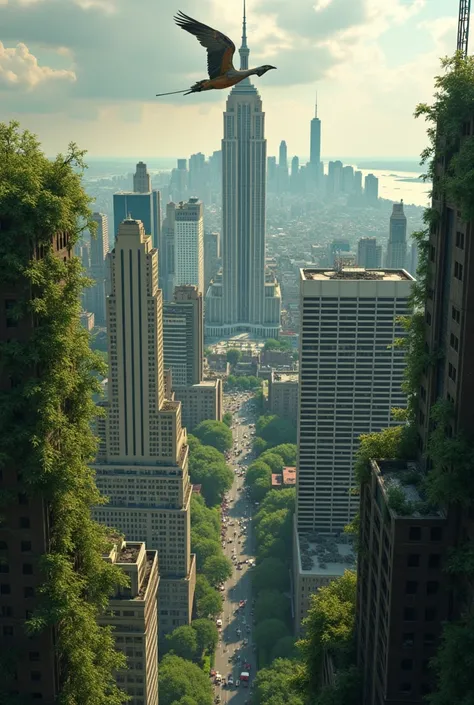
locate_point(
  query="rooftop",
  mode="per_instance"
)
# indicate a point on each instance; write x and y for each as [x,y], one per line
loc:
[129,553]
[276,479]
[357,274]
[325,555]
[289,475]
[402,484]
[285,377]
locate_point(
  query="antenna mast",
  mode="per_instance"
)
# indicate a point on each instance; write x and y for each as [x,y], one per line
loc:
[463,26]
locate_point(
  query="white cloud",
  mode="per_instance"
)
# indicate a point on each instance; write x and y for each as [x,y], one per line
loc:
[20,68]
[322,5]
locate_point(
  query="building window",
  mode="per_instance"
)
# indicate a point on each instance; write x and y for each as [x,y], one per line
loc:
[430,614]
[34,656]
[434,561]
[411,587]
[4,589]
[407,664]
[455,314]
[7,631]
[428,317]
[35,675]
[405,688]
[27,569]
[413,560]
[432,253]
[452,372]
[436,533]
[429,639]
[432,587]
[415,533]
[24,522]
[25,546]
[458,271]
[408,639]
[460,240]
[454,342]
[28,591]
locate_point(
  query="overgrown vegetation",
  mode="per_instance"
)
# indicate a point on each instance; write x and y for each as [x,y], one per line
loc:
[46,416]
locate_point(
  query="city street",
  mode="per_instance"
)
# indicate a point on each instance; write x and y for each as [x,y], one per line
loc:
[235,644]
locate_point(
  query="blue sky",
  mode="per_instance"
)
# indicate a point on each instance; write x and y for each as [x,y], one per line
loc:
[88,71]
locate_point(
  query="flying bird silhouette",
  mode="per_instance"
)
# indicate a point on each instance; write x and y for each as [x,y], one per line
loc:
[220,51]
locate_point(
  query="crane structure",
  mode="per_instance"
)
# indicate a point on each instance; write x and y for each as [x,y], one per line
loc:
[463,26]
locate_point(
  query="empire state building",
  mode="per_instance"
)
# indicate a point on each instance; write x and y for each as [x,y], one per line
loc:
[244,296]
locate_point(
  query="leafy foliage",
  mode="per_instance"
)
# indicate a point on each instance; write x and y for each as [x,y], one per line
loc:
[46,417]
[271,604]
[277,685]
[275,430]
[183,682]
[287,452]
[183,642]
[208,468]
[217,569]
[454,663]
[388,443]
[272,459]
[242,383]
[272,344]
[270,574]
[206,635]
[258,479]
[233,356]
[227,419]
[215,434]
[208,600]
[329,627]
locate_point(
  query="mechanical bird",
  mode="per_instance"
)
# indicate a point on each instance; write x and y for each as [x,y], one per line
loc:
[220,52]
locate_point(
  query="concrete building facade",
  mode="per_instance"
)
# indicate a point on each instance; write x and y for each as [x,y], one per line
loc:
[200,402]
[142,463]
[369,254]
[397,239]
[350,379]
[283,395]
[183,336]
[167,253]
[99,247]
[189,244]
[132,613]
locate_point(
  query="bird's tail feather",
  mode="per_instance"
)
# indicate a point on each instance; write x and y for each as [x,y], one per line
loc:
[158,95]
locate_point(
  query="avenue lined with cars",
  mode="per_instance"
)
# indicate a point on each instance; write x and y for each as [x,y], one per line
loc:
[234,667]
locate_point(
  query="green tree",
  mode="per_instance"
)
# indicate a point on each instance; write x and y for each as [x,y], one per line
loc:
[287,451]
[183,642]
[278,684]
[46,416]
[276,524]
[227,419]
[233,356]
[268,632]
[217,569]
[271,604]
[259,445]
[204,548]
[275,500]
[329,627]
[207,635]
[182,681]
[285,648]
[272,344]
[208,600]
[347,688]
[453,664]
[272,459]
[208,468]
[215,434]
[193,443]
[257,470]
[275,430]
[270,574]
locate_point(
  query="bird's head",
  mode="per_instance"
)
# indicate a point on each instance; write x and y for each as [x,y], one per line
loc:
[260,70]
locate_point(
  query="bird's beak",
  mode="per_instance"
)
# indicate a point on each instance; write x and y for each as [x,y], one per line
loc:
[273,67]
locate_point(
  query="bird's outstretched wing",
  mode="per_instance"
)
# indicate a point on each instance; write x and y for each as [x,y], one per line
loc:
[220,49]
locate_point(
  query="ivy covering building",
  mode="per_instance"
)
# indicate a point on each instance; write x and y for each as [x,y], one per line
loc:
[415,625]
[53,580]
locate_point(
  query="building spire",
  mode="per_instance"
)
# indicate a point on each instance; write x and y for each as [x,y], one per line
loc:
[244,50]
[316,106]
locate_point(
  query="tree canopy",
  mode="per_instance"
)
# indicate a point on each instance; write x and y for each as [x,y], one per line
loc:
[217,569]
[242,383]
[272,344]
[278,684]
[227,419]
[233,356]
[270,574]
[215,434]
[272,459]
[208,468]
[183,682]
[271,604]
[207,635]
[47,415]
[275,430]
[287,451]
[183,642]
[208,600]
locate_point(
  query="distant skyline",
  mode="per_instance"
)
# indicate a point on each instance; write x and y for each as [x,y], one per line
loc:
[88,70]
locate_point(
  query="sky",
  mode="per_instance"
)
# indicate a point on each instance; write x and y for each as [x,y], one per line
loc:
[88,70]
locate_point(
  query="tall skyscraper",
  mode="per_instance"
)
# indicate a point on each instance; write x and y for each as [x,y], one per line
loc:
[397,239]
[315,145]
[348,179]
[141,179]
[414,256]
[400,622]
[212,256]
[350,380]
[25,527]
[283,168]
[334,182]
[133,610]
[369,254]
[295,175]
[371,190]
[189,244]
[99,248]
[272,171]
[167,253]
[178,187]
[357,183]
[247,299]
[142,463]
[183,340]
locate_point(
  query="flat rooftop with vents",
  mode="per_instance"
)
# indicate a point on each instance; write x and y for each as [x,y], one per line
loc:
[356,274]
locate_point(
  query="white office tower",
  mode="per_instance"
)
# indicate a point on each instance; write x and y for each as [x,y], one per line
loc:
[189,244]
[142,464]
[350,379]
[141,179]
[246,297]
[397,239]
[369,254]
[99,248]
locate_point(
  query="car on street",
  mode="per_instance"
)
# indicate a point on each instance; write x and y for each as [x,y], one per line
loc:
[230,679]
